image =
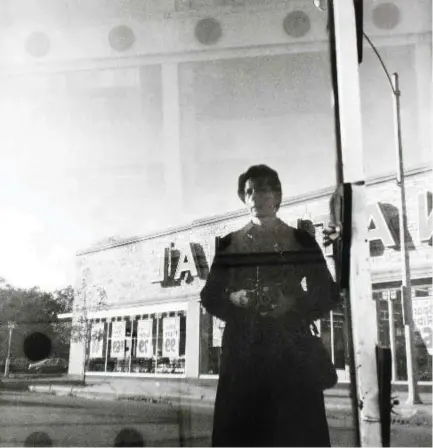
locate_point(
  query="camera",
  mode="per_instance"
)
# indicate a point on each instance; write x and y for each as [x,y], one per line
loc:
[263,298]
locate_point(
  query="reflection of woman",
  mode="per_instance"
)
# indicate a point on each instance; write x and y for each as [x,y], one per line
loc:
[257,286]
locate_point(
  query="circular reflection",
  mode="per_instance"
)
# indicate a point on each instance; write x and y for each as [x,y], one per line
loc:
[208,31]
[37,346]
[38,438]
[38,45]
[121,38]
[386,16]
[129,437]
[297,24]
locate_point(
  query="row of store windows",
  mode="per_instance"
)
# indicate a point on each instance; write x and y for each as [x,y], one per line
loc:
[152,343]
[156,343]
[390,318]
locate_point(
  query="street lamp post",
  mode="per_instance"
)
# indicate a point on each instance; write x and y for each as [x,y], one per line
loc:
[11,326]
[413,395]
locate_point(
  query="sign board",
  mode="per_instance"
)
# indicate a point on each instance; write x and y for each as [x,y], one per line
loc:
[171,337]
[96,340]
[144,338]
[118,340]
[422,317]
[217,332]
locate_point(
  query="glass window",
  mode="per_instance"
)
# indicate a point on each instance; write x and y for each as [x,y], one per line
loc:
[400,340]
[154,343]
[326,334]
[211,334]
[382,310]
[97,346]
[422,304]
[339,339]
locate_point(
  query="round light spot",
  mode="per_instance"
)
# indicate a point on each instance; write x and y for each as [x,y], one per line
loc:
[208,31]
[297,24]
[121,38]
[386,16]
[38,45]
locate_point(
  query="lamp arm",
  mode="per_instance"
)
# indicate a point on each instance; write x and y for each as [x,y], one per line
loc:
[382,63]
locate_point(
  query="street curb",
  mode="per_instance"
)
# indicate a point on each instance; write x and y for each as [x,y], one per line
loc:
[334,412]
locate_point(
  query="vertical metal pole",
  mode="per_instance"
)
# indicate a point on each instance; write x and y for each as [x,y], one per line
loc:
[8,358]
[106,345]
[157,341]
[413,396]
[392,339]
[131,318]
[331,314]
[363,312]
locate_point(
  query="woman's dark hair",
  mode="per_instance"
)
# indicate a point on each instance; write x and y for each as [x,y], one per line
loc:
[262,172]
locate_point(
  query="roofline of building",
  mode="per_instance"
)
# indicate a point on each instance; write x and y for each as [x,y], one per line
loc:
[318,194]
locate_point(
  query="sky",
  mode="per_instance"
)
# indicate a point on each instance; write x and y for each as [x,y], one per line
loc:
[83,155]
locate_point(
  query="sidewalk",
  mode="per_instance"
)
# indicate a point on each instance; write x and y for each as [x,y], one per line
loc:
[199,393]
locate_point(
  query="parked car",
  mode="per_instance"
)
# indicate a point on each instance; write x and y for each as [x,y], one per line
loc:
[17,365]
[49,365]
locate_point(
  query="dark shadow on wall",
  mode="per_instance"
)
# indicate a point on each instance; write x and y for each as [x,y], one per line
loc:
[201,261]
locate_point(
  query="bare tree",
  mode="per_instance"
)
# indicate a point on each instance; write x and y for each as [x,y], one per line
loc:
[87,300]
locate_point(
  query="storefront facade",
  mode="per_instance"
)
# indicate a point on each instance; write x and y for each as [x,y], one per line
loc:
[150,321]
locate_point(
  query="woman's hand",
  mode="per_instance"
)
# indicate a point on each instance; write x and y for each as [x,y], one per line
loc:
[241,298]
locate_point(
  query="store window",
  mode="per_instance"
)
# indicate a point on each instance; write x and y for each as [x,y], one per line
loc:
[97,346]
[382,310]
[422,305]
[211,330]
[391,331]
[332,334]
[153,343]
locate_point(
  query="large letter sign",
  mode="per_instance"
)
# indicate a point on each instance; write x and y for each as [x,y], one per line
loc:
[171,337]
[160,266]
[381,230]
[118,340]
[186,262]
[96,340]
[425,216]
[145,338]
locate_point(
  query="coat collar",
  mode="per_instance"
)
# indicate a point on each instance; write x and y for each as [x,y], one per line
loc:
[251,229]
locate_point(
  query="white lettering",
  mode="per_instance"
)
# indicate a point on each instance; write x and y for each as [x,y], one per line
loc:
[380,231]
[425,216]
[186,262]
[159,275]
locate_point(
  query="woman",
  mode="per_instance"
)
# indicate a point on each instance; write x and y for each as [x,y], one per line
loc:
[268,282]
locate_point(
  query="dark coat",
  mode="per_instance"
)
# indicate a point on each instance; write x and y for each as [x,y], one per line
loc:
[262,398]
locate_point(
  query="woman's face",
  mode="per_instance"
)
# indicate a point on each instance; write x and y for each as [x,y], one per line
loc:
[260,198]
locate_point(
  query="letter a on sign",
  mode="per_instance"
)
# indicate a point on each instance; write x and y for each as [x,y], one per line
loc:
[380,231]
[186,262]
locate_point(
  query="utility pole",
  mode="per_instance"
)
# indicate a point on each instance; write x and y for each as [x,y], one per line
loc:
[11,326]
[406,290]
[350,171]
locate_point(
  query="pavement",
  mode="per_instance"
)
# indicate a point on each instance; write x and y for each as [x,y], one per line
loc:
[200,393]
